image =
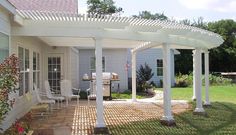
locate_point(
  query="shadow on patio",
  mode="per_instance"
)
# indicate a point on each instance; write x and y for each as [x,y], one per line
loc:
[119,116]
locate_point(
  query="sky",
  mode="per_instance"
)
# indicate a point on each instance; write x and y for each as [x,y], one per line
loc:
[210,10]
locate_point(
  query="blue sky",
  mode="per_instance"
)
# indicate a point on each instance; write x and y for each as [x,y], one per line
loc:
[210,10]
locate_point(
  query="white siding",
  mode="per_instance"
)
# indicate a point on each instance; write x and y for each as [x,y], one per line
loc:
[115,60]
[23,105]
[74,60]
[150,56]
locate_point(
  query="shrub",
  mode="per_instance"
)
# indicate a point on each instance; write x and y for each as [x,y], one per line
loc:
[183,80]
[219,80]
[83,95]
[187,80]
[144,74]
[9,76]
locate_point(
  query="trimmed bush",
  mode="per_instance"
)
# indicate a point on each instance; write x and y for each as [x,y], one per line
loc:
[187,80]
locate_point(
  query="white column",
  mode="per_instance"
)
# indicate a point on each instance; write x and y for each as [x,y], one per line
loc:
[206,57]
[167,84]
[134,76]
[194,86]
[99,92]
[198,81]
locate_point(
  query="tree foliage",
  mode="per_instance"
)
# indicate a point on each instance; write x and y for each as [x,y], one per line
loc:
[144,74]
[149,15]
[223,58]
[104,7]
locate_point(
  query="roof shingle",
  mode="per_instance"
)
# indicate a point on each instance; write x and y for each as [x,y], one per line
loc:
[65,6]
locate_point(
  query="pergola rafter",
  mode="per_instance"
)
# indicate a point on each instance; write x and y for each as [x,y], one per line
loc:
[130,23]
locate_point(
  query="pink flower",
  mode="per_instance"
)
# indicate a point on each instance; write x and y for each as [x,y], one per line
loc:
[20,130]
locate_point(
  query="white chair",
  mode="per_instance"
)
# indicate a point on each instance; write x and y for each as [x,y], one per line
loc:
[43,101]
[66,90]
[59,99]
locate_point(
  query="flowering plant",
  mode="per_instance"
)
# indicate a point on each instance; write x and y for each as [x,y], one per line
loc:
[9,76]
[21,126]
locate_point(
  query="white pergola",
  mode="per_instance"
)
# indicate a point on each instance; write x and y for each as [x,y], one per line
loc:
[62,29]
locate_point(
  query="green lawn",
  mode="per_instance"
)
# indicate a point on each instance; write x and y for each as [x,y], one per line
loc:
[220,119]
[127,95]
[216,93]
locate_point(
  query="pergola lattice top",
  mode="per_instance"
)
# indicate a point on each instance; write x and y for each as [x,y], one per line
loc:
[175,31]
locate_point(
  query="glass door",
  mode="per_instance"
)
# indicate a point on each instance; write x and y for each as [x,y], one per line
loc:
[55,72]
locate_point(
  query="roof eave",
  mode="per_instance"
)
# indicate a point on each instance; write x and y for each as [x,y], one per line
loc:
[8,6]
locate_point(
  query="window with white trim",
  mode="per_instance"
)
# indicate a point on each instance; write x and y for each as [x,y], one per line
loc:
[93,64]
[23,55]
[159,67]
[36,69]
[4,46]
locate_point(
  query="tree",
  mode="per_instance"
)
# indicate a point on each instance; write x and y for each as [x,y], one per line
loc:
[144,74]
[104,7]
[149,15]
[223,58]
[184,61]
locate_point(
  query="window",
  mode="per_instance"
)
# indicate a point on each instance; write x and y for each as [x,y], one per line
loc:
[23,55]
[93,64]
[36,69]
[159,67]
[4,46]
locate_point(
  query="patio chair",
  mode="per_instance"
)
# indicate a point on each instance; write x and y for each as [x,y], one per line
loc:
[44,104]
[90,95]
[59,99]
[66,90]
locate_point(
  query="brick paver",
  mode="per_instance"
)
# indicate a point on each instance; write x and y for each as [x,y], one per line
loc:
[74,120]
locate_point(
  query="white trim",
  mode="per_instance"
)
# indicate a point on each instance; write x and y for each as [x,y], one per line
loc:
[8,6]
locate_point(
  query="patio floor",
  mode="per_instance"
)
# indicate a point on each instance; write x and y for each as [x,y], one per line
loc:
[74,120]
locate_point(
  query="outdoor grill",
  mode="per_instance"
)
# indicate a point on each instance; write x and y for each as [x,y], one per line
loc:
[107,78]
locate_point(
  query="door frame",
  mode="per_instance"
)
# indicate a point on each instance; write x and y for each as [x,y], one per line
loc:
[61,55]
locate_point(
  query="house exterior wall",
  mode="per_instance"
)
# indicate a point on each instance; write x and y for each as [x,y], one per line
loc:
[74,72]
[23,104]
[115,60]
[150,57]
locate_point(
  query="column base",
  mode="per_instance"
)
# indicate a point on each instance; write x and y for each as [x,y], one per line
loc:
[101,130]
[193,98]
[134,100]
[169,123]
[199,111]
[207,105]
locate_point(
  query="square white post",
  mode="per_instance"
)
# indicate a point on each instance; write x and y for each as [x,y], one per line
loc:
[134,76]
[194,86]
[167,119]
[206,59]
[100,126]
[198,82]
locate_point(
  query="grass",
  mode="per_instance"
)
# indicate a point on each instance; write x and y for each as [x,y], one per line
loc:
[216,93]
[220,119]
[187,124]
[127,95]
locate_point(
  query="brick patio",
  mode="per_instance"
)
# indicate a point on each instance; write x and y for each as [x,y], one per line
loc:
[74,120]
